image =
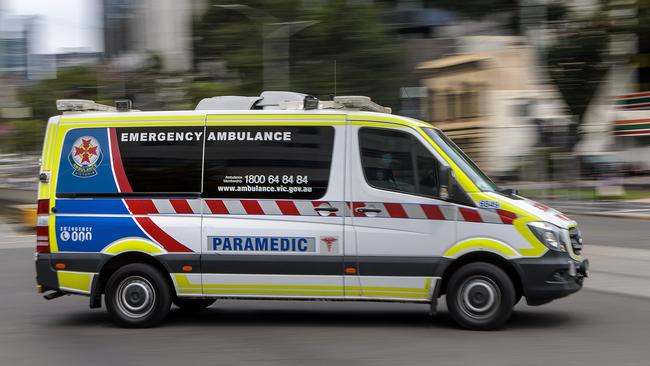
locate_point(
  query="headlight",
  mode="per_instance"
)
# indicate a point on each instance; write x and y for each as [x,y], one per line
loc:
[549,234]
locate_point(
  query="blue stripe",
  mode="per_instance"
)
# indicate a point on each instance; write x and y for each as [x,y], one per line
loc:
[91,206]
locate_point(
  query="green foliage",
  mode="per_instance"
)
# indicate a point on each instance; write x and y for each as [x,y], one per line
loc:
[475,8]
[367,53]
[205,89]
[577,64]
[368,57]
[73,83]
[26,137]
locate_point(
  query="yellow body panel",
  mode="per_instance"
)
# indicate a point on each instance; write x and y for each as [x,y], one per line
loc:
[133,245]
[481,244]
[185,287]
[75,281]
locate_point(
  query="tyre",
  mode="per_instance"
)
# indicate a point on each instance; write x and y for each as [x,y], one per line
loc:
[137,296]
[480,296]
[192,304]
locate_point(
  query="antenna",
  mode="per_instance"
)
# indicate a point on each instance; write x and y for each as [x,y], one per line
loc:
[334,78]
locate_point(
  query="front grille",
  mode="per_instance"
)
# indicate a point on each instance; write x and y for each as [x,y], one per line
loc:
[576,240]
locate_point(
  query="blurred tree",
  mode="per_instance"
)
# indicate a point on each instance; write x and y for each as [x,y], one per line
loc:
[205,89]
[354,35]
[477,8]
[28,135]
[73,83]
[577,64]
[23,135]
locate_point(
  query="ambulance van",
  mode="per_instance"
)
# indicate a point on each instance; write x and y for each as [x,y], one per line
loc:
[283,196]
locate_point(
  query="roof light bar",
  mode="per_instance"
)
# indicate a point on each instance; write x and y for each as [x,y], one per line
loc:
[82,105]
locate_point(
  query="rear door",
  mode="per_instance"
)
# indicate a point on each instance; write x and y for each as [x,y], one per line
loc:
[273,206]
[132,188]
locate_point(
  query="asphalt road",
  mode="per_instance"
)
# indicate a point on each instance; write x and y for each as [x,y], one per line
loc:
[615,232]
[588,328]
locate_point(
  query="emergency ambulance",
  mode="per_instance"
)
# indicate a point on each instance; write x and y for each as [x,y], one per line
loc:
[283,196]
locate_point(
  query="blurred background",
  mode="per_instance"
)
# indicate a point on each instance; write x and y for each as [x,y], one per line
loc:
[550,97]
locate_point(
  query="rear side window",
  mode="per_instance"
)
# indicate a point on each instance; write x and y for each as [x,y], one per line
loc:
[133,160]
[275,162]
[162,159]
[396,161]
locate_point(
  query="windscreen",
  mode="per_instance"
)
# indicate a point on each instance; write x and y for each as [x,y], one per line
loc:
[462,160]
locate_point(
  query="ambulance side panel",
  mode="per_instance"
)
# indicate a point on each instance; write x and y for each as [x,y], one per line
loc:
[273,207]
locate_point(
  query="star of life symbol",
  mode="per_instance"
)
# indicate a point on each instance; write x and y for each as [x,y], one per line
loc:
[85,156]
[329,241]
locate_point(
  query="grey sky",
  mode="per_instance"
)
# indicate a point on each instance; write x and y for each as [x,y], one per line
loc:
[62,24]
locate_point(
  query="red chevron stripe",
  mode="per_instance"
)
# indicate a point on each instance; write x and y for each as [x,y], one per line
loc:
[288,208]
[181,206]
[217,207]
[252,207]
[141,207]
[116,159]
[470,214]
[432,212]
[170,244]
[506,216]
[396,210]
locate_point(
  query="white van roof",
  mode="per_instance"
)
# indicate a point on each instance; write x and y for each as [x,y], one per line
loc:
[268,100]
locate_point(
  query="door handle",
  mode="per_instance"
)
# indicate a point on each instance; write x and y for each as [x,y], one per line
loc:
[326,209]
[367,209]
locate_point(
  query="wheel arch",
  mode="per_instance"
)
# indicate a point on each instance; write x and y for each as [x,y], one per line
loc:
[482,256]
[130,257]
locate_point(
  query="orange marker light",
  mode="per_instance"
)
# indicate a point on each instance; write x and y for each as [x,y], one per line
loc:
[350,270]
[187,268]
[59,266]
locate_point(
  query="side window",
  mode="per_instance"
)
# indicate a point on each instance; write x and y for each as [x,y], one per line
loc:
[275,162]
[163,160]
[396,161]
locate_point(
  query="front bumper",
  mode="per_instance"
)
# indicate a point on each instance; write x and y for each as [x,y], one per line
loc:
[551,276]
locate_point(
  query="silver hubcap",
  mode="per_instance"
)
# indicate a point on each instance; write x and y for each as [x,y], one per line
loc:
[136,297]
[479,297]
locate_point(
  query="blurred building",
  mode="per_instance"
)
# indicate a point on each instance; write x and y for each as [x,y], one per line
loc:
[16,63]
[135,28]
[617,120]
[489,99]
[432,33]
[16,36]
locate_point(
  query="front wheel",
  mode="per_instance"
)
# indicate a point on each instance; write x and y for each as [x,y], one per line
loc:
[137,296]
[480,296]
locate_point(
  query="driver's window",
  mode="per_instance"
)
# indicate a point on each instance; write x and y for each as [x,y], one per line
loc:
[396,161]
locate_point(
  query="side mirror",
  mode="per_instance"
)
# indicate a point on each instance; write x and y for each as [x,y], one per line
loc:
[446,178]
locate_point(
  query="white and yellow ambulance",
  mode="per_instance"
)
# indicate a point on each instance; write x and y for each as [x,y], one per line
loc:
[283,196]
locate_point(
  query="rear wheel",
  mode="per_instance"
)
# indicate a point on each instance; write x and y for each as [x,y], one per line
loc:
[193,304]
[137,296]
[480,296]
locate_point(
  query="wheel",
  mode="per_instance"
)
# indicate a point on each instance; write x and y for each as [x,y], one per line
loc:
[137,296]
[192,304]
[480,296]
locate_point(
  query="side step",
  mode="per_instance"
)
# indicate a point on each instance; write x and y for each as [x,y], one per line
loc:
[53,295]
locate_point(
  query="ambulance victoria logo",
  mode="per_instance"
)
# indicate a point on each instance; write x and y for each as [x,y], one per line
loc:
[85,156]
